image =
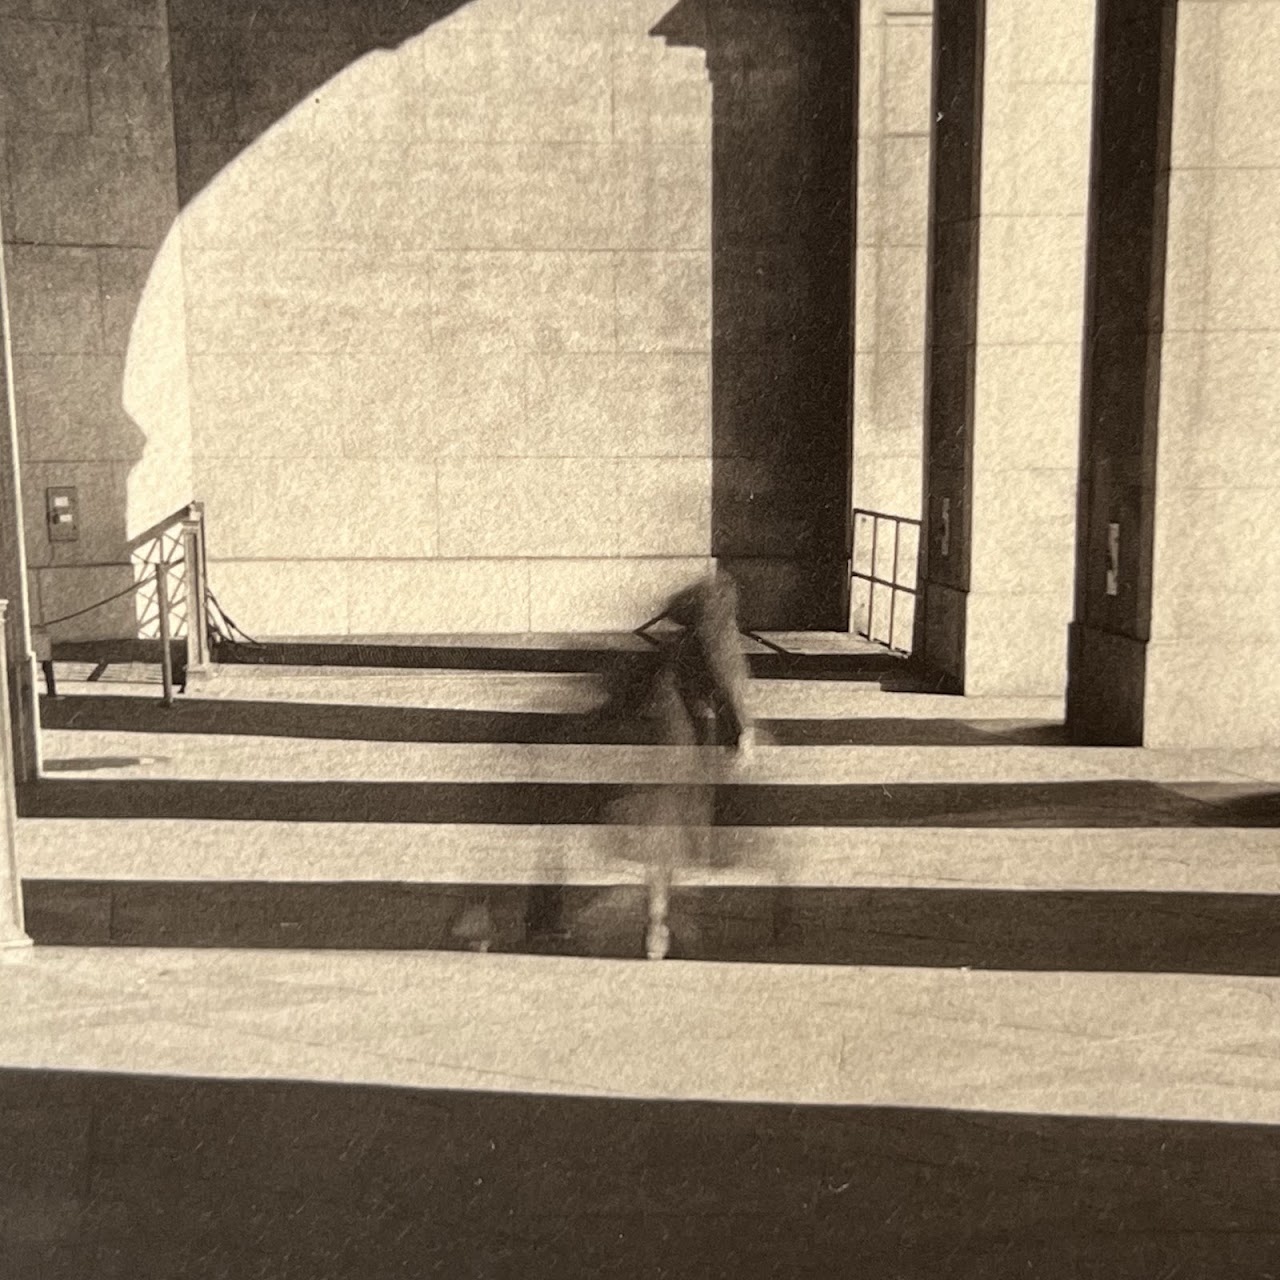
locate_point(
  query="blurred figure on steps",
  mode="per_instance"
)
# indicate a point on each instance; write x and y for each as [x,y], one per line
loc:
[694,697]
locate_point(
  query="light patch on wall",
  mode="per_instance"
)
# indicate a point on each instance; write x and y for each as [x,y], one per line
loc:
[155,395]
[393,268]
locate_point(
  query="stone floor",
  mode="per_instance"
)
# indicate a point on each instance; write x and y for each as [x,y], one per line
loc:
[1017,1015]
[1048,1043]
[248,1114]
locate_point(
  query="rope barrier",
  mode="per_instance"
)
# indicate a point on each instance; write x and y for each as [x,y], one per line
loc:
[133,586]
[233,628]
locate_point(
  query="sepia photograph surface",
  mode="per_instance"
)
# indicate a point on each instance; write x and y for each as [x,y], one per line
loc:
[641,638]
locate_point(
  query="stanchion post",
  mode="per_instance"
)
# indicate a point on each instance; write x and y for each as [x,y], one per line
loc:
[197,589]
[13,933]
[166,644]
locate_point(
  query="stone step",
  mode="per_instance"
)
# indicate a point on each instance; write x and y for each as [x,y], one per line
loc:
[839,657]
[1137,901]
[548,692]
[106,754]
[1193,860]
[397,720]
[1064,931]
[1087,803]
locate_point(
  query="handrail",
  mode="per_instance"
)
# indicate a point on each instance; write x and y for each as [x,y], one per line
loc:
[194,541]
[89,608]
[886,515]
[643,630]
[172,543]
[161,578]
[872,579]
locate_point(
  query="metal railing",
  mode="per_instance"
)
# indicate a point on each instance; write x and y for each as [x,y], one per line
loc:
[178,541]
[894,584]
[171,605]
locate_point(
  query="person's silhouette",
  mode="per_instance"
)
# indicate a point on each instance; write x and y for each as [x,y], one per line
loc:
[706,658]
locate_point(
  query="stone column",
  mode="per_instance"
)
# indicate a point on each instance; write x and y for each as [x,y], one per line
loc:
[959,35]
[22,715]
[1214,650]
[1121,387]
[1006,303]
[894,113]
[12,932]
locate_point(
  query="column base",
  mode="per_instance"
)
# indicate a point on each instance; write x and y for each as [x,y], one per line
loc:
[199,677]
[14,945]
[1106,688]
[940,656]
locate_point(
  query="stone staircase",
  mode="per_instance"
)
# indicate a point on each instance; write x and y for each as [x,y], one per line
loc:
[451,809]
[1015,1015]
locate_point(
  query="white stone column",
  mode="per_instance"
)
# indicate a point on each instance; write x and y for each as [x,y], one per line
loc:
[1036,134]
[894,85]
[1213,660]
[22,732]
[12,931]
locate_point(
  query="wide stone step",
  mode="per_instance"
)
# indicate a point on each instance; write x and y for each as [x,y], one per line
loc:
[1188,860]
[548,692]
[398,720]
[769,655]
[1149,901]
[109,753]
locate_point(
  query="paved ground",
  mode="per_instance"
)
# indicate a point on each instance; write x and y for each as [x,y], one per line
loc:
[293,1115]
[1166,1046]
[1019,1049]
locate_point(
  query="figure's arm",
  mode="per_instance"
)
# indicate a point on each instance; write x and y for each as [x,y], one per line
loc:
[681,608]
[644,626]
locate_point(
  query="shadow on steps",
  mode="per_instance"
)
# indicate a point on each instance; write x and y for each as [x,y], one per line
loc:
[381,723]
[1113,803]
[1222,933]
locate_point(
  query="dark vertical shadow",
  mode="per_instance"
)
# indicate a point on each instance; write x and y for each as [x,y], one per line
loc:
[1066,931]
[784,80]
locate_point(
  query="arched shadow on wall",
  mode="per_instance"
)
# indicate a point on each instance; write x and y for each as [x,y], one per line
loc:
[239,66]
[88,287]
[783,130]
[784,81]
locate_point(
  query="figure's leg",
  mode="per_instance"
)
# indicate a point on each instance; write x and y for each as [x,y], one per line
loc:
[658,935]
[474,927]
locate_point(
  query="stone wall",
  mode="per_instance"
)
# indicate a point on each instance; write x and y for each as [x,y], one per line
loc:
[417,297]
[449,316]
[89,193]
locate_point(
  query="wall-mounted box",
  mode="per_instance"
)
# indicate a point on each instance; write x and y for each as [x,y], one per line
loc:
[62,514]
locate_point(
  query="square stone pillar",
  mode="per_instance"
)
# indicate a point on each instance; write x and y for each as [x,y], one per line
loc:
[22,720]
[1177,634]
[12,931]
[1006,301]
[894,113]
[1213,660]
[1121,387]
